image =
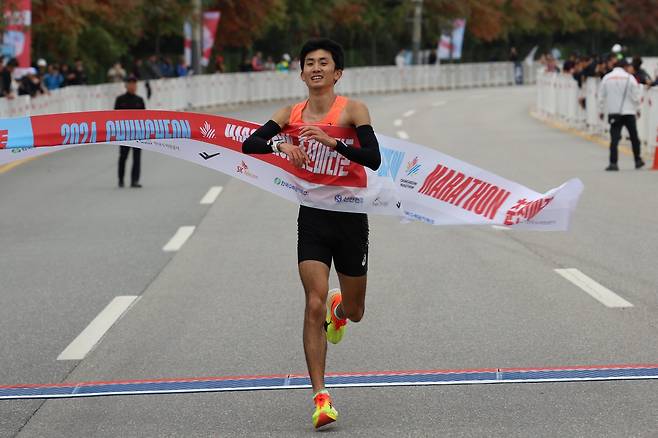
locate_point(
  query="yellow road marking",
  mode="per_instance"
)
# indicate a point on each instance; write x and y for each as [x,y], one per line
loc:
[582,134]
[7,167]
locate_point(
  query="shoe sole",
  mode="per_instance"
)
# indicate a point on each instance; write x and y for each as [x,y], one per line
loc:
[324,420]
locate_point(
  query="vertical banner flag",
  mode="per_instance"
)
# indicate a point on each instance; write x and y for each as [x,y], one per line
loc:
[450,45]
[458,28]
[210,22]
[187,43]
[17,40]
[445,47]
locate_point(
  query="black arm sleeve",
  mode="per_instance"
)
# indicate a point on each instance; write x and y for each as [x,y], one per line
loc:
[368,154]
[257,142]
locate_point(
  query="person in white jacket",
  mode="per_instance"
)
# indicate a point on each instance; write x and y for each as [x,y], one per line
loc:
[619,97]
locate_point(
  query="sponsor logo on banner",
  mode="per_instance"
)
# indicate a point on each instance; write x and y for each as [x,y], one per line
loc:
[244,170]
[391,163]
[166,146]
[408,183]
[413,167]
[525,210]
[4,135]
[207,156]
[418,217]
[471,194]
[207,131]
[340,199]
[287,185]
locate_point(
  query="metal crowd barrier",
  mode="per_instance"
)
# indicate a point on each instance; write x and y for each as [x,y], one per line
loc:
[558,99]
[236,88]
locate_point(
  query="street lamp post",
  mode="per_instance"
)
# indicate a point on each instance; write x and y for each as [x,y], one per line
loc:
[196,36]
[418,21]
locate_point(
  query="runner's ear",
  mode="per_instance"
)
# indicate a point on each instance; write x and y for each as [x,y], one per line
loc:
[337,75]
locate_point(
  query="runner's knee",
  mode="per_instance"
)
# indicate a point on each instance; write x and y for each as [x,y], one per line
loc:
[315,308]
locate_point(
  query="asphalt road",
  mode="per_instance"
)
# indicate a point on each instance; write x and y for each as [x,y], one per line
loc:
[229,301]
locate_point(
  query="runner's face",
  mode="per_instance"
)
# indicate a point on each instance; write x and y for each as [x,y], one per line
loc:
[319,70]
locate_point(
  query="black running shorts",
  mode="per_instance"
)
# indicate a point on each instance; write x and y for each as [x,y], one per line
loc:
[324,235]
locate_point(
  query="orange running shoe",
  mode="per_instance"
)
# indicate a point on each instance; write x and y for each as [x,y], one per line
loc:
[324,413]
[334,327]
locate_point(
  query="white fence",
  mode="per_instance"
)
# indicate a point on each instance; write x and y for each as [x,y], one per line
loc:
[558,98]
[234,88]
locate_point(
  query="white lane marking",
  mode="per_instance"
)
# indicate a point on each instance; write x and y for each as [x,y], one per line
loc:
[92,334]
[596,290]
[397,123]
[501,227]
[179,239]
[439,103]
[409,113]
[403,135]
[212,195]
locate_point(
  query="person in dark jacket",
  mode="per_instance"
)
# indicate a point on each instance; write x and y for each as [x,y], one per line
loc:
[130,100]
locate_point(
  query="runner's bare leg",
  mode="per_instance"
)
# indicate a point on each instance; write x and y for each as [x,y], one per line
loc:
[315,279]
[353,290]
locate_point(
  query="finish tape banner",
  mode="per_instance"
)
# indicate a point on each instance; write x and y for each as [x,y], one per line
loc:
[413,182]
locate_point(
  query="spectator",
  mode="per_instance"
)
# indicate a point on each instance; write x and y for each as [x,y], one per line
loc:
[7,78]
[150,69]
[284,64]
[269,64]
[66,72]
[641,76]
[166,67]
[41,67]
[551,64]
[518,68]
[78,76]
[116,73]
[400,58]
[53,79]
[257,62]
[219,64]
[30,83]
[569,64]
[181,67]
[432,58]
[130,100]
[294,65]
[619,97]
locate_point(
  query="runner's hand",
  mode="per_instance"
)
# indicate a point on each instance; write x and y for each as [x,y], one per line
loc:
[317,134]
[295,153]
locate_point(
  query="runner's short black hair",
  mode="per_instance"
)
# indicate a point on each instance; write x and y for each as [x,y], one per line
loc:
[330,46]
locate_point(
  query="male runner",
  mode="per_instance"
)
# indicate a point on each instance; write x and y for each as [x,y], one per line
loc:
[323,235]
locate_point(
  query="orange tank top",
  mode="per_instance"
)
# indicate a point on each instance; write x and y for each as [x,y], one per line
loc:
[330,119]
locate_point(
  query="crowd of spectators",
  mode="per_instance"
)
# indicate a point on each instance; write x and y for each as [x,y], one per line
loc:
[582,67]
[257,63]
[44,77]
[40,79]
